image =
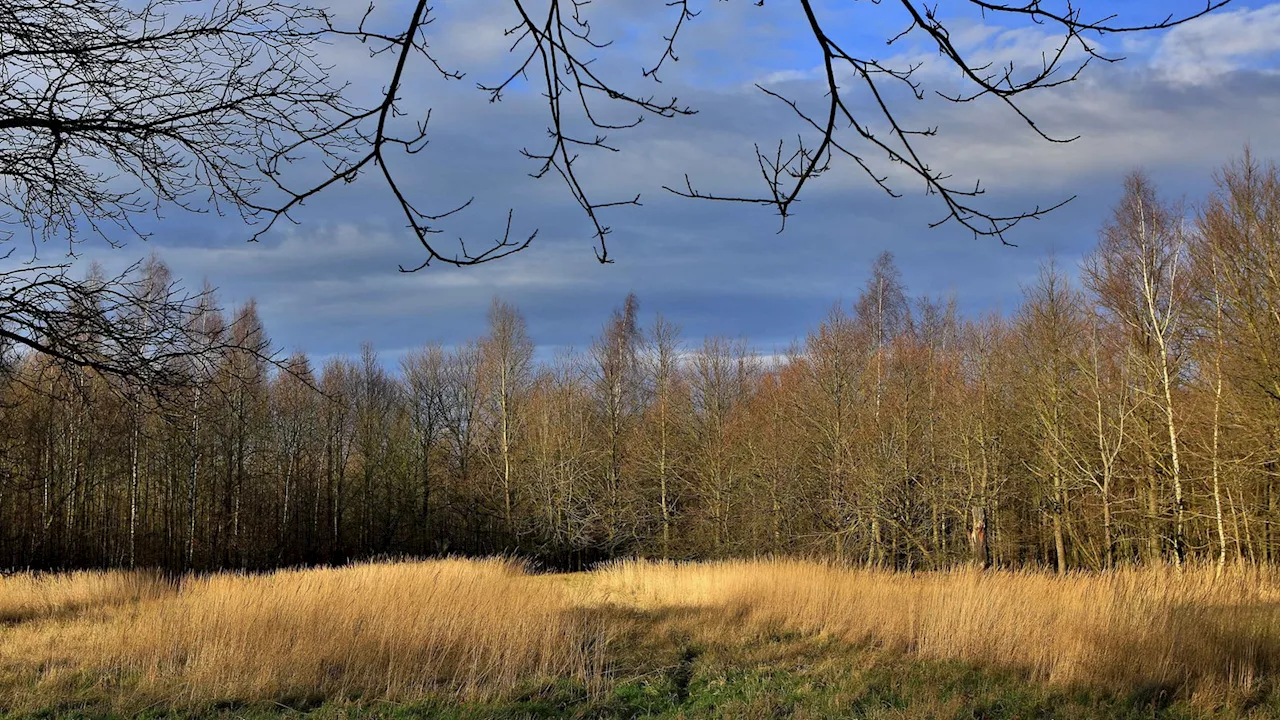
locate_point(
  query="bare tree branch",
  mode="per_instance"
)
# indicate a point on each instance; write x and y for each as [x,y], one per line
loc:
[112,110]
[809,162]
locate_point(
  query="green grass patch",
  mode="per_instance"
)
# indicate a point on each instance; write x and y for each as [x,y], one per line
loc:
[668,676]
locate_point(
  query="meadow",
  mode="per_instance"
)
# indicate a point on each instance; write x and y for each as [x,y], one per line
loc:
[490,638]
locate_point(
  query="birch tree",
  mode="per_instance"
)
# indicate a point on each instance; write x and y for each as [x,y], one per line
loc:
[508,362]
[1138,273]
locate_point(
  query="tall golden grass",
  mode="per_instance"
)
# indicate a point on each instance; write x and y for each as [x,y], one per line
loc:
[26,596]
[1191,630]
[388,631]
[474,629]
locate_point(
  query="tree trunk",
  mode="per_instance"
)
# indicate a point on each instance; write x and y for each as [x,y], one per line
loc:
[133,489]
[979,550]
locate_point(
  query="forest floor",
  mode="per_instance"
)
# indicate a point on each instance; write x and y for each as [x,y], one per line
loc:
[486,639]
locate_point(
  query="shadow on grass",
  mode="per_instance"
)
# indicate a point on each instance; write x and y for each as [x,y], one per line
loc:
[696,663]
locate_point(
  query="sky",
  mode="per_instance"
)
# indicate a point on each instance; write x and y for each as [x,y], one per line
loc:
[1184,102]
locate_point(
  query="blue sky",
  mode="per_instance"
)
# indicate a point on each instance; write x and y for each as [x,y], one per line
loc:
[1184,102]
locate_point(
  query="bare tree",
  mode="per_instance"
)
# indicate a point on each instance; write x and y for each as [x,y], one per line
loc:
[831,399]
[423,371]
[177,103]
[979,448]
[137,325]
[722,375]
[1050,325]
[294,422]
[1139,273]
[1238,253]
[616,376]
[555,48]
[339,380]
[464,401]
[664,382]
[564,459]
[882,313]
[1028,442]
[114,110]
[508,359]
[1107,407]
[853,78]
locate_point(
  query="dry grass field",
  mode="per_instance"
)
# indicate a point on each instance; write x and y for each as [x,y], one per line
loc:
[650,638]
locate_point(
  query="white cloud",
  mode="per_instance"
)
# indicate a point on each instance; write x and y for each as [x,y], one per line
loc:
[1208,48]
[782,76]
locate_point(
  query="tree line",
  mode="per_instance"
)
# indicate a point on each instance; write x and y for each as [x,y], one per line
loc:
[1125,413]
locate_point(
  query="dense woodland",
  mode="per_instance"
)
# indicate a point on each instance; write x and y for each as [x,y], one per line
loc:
[1128,411]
